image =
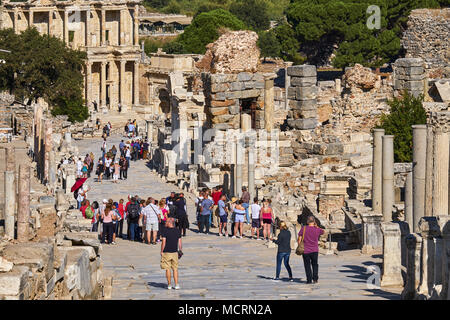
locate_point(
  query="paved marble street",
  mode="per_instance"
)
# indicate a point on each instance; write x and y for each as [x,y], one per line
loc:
[214,267]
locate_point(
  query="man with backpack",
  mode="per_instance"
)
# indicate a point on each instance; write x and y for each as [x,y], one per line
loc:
[133,219]
[198,204]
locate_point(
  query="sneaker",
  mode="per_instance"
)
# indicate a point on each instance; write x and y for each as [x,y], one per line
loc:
[169,287]
[177,287]
[258,239]
[291,279]
[220,234]
[233,237]
[276,279]
[113,242]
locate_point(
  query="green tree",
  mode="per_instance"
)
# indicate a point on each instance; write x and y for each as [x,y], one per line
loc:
[405,112]
[289,46]
[268,44]
[173,47]
[42,66]
[255,13]
[204,29]
[172,8]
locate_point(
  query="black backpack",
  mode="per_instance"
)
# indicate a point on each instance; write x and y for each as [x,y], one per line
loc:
[133,211]
[172,211]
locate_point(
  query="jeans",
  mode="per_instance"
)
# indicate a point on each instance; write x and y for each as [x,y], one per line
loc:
[119,228]
[123,174]
[246,205]
[283,256]
[107,231]
[128,161]
[95,227]
[310,260]
[204,221]
[134,231]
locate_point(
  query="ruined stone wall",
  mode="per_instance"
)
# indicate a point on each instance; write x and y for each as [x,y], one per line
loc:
[427,37]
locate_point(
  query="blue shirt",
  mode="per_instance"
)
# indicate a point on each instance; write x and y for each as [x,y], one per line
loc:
[221,205]
[121,145]
[206,204]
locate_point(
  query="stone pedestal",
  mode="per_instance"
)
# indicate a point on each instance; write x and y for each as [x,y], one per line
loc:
[68,137]
[388,177]
[392,262]
[193,180]
[440,173]
[414,245]
[23,211]
[377,165]
[419,165]
[429,229]
[10,157]
[372,237]
[9,203]
[70,178]
[171,164]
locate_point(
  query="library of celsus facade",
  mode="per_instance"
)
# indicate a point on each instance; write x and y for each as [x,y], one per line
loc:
[106,30]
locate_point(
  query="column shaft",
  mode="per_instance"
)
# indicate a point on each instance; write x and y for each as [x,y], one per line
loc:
[240,155]
[409,201]
[429,173]
[88,83]
[377,165]
[103,85]
[30,18]
[419,165]
[268,104]
[122,82]
[23,212]
[10,203]
[388,177]
[66,27]
[251,171]
[136,83]
[103,25]
[136,26]
[50,22]
[440,173]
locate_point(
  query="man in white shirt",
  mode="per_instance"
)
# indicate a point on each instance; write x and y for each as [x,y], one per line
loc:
[152,219]
[108,162]
[256,219]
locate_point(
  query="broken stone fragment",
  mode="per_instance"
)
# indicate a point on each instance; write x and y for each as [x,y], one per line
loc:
[5,265]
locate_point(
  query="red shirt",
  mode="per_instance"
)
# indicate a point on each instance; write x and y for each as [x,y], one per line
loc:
[311,240]
[216,196]
[121,209]
[83,211]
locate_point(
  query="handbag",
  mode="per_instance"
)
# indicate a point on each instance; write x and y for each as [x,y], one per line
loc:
[301,246]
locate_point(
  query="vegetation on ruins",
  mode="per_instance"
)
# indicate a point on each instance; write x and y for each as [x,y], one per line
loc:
[255,13]
[404,113]
[41,66]
[205,28]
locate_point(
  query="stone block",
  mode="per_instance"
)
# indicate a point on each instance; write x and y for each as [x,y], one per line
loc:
[221,96]
[415,71]
[77,274]
[5,265]
[361,161]
[249,84]
[258,77]
[237,86]
[224,103]
[219,87]
[399,84]
[302,71]
[60,264]
[234,95]
[303,82]
[13,283]
[37,256]
[250,94]
[234,109]
[259,85]
[47,200]
[244,76]
[303,124]
[306,93]
[414,85]
[217,78]
[303,104]
[304,114]
[292,93]
[409,62]
[218,111]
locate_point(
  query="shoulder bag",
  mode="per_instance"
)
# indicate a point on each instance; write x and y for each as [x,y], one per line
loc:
[301,246]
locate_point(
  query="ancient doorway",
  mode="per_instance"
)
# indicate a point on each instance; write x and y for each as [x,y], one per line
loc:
[248,106]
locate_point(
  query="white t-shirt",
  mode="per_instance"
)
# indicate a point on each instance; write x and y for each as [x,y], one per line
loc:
[256,209]
[151,213]
[128,154]
[108,162]
[79,165]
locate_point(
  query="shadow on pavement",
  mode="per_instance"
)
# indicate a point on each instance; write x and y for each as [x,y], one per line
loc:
[296,280]
[157,284]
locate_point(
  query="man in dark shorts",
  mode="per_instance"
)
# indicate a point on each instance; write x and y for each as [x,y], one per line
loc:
[171,243]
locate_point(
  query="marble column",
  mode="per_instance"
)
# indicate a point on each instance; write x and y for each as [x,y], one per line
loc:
[388,177]
[48,146]
[268,102]
[136,26]
[122,26]
[429,173]
[103,26]
[23,211]
[15,14]
[88,82]
[66,27]
[103,85]
[409,201]
[50,22]
[377,165]
[10,158]
[87,34]
[9,203]
[30,18]
[392,259]
[414,246]
[429,229]
[444,226]
[122,82]
[136,83]
[440,172]
[251,168]
[419,165]
[240,156]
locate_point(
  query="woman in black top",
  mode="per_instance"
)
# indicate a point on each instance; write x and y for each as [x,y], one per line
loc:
[183,222]
[100,170]
[284,250]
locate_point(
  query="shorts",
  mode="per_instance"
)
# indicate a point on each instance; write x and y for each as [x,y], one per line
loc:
[267,221]
[239,218]
[224,218]
[256,223]
[116,177]
[152,226]
[169,260]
